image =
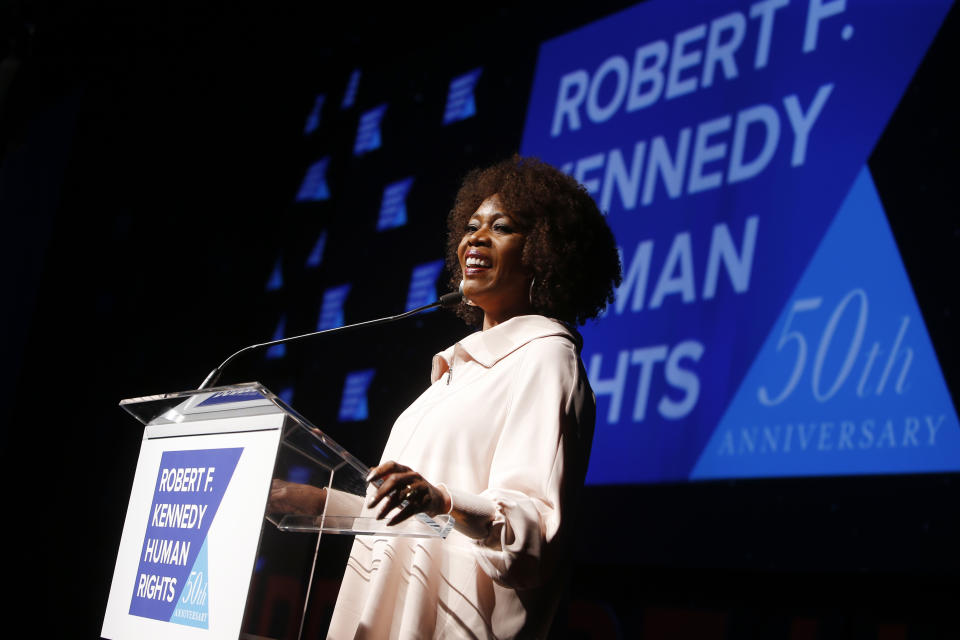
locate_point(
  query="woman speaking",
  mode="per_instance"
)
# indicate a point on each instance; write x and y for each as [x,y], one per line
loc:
[501,438]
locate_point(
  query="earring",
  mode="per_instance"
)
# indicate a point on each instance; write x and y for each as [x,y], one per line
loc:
[467,300]
[530,294]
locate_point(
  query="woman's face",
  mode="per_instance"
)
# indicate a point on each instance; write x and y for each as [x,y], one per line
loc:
[490,252]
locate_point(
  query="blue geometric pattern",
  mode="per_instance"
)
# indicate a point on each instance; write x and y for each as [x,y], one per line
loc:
[368,131]
[423,284]
[314,185]
[331,309]
[278,350]
[353,402]
[316,254]
[313,118]
[275,282]
[350,95]
[393,206]
[460,102]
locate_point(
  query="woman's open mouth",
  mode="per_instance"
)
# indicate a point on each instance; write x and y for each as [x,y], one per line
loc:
[476,264]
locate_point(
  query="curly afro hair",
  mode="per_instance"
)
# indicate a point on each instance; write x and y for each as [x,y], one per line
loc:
[568,245]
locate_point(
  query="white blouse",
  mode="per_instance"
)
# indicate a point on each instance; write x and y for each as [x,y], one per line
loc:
[506,426]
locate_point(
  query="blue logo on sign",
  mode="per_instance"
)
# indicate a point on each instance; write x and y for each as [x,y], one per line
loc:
[423,284]
[314,185]
[173,583]
[313,119]
[353,402]
[460,102]
[368,131]
[727,146]
[331,309]
[230,396]
[393,207]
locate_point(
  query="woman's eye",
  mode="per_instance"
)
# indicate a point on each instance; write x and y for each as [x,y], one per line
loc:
[502,228]
[472,227]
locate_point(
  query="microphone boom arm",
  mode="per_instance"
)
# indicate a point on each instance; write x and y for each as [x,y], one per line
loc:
[447,300]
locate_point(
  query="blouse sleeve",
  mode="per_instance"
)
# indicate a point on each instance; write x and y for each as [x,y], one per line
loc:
[537,468]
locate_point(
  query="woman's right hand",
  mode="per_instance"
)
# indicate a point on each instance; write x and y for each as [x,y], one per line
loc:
[291,497]
[403,488]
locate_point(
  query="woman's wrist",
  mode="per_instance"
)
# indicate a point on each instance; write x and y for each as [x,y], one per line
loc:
[447,506]
[473,514]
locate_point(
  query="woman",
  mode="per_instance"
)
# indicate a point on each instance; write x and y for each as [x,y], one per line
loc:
[501,438]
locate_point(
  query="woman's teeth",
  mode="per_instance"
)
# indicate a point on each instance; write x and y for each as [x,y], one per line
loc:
[478,262]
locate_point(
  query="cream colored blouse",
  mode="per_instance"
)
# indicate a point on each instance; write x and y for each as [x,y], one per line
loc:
[506,426]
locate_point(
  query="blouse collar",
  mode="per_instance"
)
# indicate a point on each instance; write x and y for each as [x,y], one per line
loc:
[490,346]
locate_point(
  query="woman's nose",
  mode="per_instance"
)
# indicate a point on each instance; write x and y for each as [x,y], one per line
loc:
[479,237]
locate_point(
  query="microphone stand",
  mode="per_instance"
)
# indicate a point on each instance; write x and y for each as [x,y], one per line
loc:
[447,300]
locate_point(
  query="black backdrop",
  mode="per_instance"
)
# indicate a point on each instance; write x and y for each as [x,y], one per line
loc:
[151,155]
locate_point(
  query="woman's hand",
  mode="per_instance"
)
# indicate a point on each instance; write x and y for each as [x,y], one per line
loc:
[291,497]
[404,488]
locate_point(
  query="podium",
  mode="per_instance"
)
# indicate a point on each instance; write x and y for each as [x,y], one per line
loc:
[200,528]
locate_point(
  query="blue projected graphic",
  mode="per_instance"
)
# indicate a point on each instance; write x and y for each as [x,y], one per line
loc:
[368,131]
[853,342]
[286,394]
[765,325]
[353,403]
[275,281]
[423,284]
[460,102]
[278,350]
[316,254]
[313,119]
[314,185]
[350,95]
[331,309]
[393,207]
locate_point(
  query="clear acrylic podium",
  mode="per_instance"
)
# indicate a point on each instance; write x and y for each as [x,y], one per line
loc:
[201,527]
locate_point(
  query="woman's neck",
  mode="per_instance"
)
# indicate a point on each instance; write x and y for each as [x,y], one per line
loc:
[490,320]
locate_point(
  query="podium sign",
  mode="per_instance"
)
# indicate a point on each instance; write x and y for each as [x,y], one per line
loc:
[195,521]
[193,524]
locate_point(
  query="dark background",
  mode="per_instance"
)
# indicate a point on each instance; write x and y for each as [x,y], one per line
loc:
[150,158]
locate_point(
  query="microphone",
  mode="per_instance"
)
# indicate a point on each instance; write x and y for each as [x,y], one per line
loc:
[446,301]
